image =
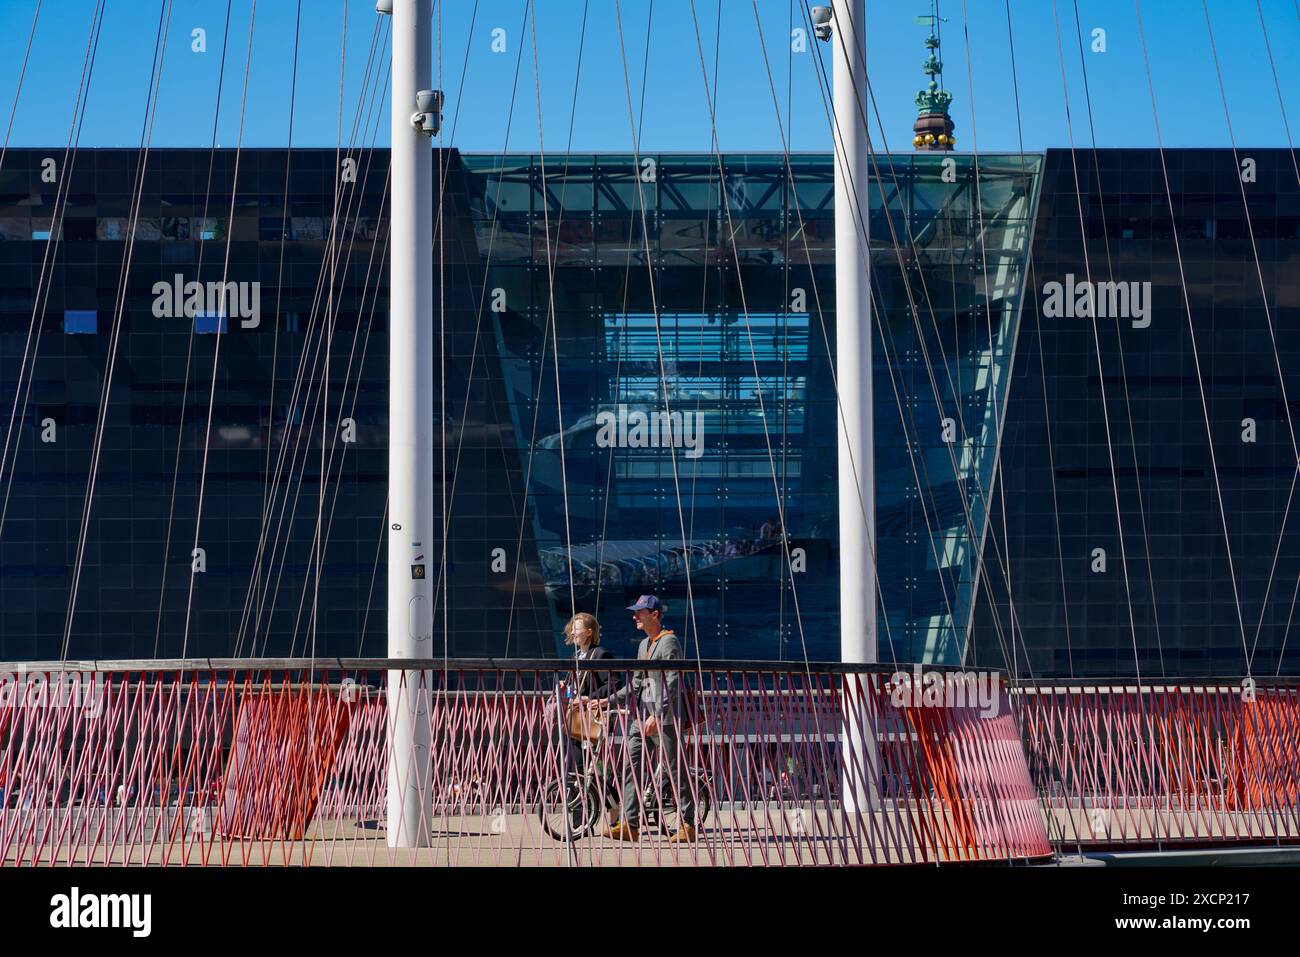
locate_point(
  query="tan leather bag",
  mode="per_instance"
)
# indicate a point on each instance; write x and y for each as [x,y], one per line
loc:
[582,724]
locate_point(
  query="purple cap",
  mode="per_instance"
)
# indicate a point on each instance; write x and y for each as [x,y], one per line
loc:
[647,601]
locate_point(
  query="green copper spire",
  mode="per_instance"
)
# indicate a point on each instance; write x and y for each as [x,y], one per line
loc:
[933,127]
[932,99]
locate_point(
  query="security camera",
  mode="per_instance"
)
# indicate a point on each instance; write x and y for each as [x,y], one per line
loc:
[429,124]
[821,18]
[428,116]
[429,101]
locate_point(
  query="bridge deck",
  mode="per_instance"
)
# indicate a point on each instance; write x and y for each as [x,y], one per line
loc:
[771,835]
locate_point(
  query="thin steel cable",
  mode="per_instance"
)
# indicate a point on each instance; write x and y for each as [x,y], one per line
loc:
[4,150]
[18,89]
[279,288]
[947,368]
[40,300]
[216,351]
[1119,348]
[310,359]
[1277,86]
[445,170]
[333,253]
[146,136]
[440,233]
[886,334]
[675,777]
[878,311]
[1272,334]
[997,402]
[532,445]
[355,384]
[731,229]
[705,269]
[552,323]
[623,337]
[268,496]
[551,320]
[1042,368]
[1286,125]
[331,313]
[317,397]
[295,481]
[837,133]
[1191,332]
[1101,372]
[189,352]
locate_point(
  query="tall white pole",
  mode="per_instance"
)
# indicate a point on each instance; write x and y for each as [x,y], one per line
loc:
[410,429]
[856,460]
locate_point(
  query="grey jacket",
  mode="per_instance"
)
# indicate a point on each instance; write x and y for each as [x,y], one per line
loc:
[655,692]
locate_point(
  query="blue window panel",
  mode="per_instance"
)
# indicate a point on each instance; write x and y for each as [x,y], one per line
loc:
[209,322]
[80,322]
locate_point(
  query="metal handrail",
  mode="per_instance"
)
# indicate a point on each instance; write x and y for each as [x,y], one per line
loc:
[720,665]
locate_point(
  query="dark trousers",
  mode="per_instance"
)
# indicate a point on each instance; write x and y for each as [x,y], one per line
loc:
[669,757]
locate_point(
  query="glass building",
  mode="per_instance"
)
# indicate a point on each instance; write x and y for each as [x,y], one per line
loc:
[681,286]
[1148,461]
[637,396]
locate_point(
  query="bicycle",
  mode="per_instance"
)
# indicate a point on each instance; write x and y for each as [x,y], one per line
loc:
[591,793]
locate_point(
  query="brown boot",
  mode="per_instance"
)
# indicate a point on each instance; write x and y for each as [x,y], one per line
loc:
[622,832]
[685,835]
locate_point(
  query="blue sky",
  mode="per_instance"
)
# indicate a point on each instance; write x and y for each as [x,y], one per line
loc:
[675,115]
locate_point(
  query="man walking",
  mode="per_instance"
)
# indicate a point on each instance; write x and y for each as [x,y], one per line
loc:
[658,711]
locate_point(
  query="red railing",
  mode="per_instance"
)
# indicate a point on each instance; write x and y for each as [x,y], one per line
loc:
[1165,764]
[261,762]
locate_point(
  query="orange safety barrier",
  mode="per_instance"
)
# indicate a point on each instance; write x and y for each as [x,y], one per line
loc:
[286,742]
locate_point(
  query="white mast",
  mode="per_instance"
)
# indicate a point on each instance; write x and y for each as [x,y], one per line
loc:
[853,340]
[415,111]
[856,459]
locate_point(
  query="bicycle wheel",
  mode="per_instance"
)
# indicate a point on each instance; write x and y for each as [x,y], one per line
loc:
[582,809]
[670,820]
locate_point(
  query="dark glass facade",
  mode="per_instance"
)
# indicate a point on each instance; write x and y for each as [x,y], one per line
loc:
[1166,440]
[726,270]
[684,440]
[67,351]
